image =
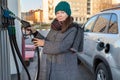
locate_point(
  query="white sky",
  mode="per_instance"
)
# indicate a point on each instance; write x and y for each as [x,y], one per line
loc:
[27,5]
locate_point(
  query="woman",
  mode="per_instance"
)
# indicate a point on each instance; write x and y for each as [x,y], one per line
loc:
[60,62]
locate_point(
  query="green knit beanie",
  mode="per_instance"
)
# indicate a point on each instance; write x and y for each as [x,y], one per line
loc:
[63,6]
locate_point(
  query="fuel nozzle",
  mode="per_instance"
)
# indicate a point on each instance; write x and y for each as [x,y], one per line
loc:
[25,24]
[10,15]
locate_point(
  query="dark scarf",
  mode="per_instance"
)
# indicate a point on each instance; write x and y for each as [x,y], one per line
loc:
[56,25]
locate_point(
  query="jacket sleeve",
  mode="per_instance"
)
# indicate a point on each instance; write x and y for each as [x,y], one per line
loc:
[62,46]
[38,35]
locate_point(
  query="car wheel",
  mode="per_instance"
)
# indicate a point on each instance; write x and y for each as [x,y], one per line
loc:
[102,72]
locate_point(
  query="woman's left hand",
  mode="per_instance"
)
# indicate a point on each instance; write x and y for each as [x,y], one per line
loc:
[38,42]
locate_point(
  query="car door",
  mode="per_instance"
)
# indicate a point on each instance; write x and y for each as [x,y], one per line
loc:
[112,38]
[100,34]
[95,35]
[87,43]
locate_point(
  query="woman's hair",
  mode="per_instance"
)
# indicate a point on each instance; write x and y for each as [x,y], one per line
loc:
[66,24]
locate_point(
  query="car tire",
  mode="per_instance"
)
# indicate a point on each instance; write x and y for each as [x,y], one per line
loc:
[102,72]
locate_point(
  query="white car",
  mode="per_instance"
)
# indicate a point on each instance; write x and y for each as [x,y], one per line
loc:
[101,49]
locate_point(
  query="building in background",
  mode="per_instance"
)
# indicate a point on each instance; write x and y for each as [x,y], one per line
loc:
[98,5]
[79,10]
[116,3]
[82,10]
[48,10]
[33,16]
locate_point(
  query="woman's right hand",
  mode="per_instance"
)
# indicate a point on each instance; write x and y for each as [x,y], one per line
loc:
[38,42]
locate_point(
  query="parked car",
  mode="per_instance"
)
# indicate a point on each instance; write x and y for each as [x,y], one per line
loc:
[101,53]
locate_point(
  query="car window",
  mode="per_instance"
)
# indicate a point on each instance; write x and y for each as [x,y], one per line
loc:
[101,23]
[113,26]
[89,24]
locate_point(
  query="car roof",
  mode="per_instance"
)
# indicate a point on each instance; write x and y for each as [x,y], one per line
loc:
[109,11]
[112,11]
[115,9]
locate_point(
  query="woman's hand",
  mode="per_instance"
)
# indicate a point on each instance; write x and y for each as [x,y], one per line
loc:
[38,42]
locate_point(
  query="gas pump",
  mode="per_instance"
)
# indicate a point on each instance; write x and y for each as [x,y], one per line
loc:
[4,54]
[9,25]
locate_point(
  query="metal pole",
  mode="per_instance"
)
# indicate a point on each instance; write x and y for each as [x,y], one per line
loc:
[0,57]
[4,55]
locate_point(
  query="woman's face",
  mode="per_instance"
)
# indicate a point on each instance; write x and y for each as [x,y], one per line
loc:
[61,16]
